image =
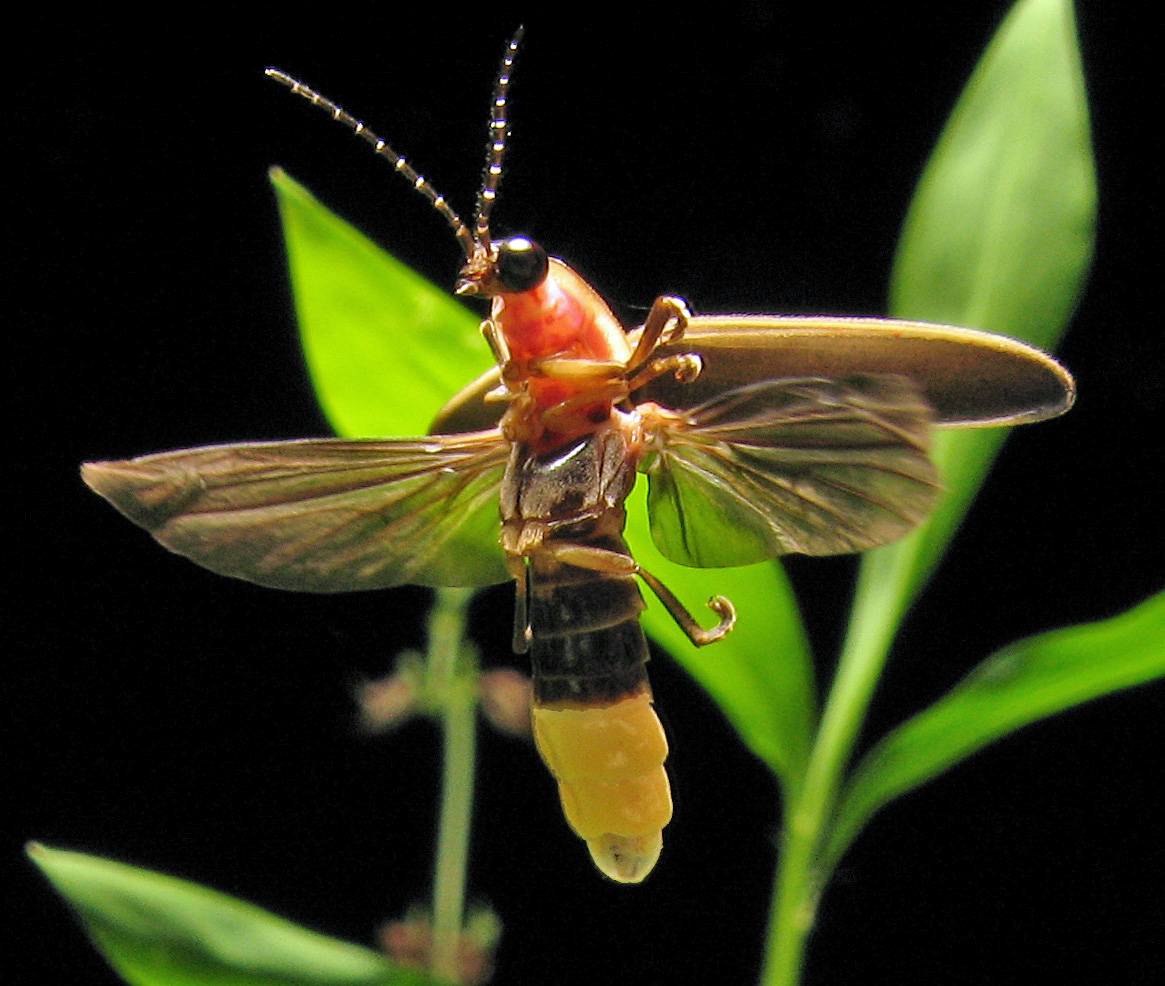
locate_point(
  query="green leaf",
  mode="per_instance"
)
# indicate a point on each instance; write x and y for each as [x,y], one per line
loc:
[385,348]
[999,237]
[157,930]
[1028,680]
[761,674]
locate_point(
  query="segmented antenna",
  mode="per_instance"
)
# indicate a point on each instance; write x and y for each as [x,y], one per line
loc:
[477,241]
[419,182]
[496,143]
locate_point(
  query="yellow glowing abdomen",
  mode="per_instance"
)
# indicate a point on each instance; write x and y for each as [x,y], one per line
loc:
[608,762]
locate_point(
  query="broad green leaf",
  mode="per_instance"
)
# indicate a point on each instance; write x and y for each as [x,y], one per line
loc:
[385,348]
[761,674]
[1028,680]
[999,237]
[157,930]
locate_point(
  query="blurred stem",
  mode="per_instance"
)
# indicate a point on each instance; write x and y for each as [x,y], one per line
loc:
[452,675]
[878,607]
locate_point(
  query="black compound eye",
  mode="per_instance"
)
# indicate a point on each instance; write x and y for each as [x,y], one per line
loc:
[522,264]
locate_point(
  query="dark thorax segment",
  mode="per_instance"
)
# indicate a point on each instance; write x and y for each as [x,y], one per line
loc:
[586,646]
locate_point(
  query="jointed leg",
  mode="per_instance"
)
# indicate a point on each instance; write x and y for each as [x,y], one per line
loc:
[617,563]
[685,366]
[575,411]
[497,341]
[522,632]
[664,311]
[720,605]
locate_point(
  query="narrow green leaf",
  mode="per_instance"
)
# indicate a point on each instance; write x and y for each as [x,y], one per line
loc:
[999,237]
[1000,231]
[385,348]
[761,674]
[1028,680]
[157,930]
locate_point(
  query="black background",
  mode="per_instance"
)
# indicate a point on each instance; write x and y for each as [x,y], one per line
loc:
[759,160]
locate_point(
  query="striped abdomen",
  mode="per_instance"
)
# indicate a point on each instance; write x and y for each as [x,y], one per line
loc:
[593,720]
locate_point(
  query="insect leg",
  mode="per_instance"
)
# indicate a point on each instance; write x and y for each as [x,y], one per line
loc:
[666,310]
[522,631]
[720,605]
[593,372]
[497,341]
[574,412]
[685,366]
[617,563]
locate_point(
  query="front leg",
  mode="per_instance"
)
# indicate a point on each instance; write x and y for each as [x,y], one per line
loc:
[492,333]
[666,322]
[575,414]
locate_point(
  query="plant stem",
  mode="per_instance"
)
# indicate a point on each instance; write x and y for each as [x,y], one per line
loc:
[877,611]
[452,677]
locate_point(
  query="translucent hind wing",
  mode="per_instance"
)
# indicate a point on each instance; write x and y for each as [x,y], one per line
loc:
[812,466]
[327,515]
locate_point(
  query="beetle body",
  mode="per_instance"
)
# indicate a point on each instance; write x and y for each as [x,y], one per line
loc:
[592,716]
[572,466]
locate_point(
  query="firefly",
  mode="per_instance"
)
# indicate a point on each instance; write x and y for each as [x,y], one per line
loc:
[759,436]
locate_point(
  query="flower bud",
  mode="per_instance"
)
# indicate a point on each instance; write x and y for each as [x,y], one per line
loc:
[505,701]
